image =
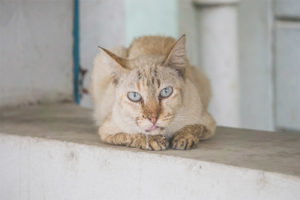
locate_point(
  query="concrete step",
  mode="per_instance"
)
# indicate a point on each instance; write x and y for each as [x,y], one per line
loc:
[53,152]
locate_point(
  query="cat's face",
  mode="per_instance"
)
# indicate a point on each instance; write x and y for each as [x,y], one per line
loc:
[149,97]
[149,89]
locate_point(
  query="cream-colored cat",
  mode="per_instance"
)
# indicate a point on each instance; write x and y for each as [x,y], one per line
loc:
[148,96]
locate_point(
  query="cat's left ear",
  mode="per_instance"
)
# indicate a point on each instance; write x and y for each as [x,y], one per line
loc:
[177,56]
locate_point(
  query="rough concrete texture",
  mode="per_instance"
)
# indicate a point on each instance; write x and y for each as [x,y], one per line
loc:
[61,157]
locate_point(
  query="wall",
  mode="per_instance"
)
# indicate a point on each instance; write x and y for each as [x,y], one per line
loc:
[286,63]
[168,18]
[269,64]
[255,64]
[102,23]
[150,18]
[35,51]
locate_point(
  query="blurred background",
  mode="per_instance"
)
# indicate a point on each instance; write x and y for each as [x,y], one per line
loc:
[250,50]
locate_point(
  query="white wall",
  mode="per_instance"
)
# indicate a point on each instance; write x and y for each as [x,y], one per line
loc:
[35,51]
[102,23]
[286,63]
[255,64]
[187,24]
[269,64]
[218,56]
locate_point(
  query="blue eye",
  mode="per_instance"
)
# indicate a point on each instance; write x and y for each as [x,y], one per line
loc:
[134,96]
[166,92]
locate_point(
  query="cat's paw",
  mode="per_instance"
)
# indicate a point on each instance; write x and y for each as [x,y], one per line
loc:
[151,142]
[157,143]
[187,137]
[184,142]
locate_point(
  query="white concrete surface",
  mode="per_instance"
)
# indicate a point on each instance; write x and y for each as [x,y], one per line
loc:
[218,56]
[53,152]
[36,51]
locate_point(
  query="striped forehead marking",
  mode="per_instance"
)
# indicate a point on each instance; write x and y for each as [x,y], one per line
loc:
[147,77]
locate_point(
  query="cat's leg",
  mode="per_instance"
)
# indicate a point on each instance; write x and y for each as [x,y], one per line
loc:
[190,135]
[111,134]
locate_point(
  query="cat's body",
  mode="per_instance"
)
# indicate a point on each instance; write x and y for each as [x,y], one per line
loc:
[150,90]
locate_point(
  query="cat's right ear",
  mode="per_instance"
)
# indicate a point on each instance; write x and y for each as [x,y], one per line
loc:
[118,65]
[176,58]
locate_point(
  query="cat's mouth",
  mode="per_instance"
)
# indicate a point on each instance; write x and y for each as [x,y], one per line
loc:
[154,127]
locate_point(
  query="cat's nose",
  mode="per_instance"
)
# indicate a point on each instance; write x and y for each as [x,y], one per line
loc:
[153,120]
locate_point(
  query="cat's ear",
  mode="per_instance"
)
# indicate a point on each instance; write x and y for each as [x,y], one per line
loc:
[118,65]
[177,56]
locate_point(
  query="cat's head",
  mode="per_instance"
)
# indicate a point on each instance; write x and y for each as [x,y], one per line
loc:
[149,89]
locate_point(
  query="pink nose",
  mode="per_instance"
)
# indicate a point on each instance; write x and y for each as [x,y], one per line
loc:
[153,120]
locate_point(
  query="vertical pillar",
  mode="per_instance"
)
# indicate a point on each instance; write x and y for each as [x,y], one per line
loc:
[218,57]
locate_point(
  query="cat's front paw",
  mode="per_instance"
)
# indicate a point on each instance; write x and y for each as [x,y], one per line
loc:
[157,143]
[184,142]
[150,142]
[187,137]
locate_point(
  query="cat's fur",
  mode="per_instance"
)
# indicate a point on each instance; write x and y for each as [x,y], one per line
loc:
[150,64]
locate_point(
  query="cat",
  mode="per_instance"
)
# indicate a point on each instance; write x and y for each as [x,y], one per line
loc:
[148,96]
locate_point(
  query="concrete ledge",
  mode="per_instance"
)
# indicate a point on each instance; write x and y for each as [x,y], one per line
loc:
[53,152]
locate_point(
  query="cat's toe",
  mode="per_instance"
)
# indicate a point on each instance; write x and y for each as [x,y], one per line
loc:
[158,143]
[178,144]
[183,143]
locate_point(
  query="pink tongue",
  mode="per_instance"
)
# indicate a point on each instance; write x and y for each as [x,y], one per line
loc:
[151,128]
